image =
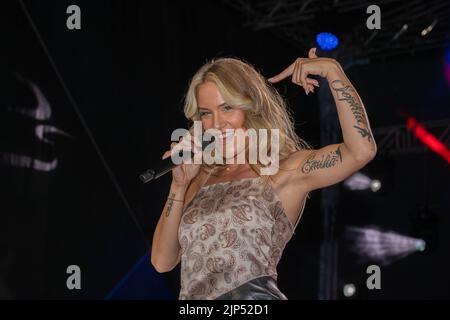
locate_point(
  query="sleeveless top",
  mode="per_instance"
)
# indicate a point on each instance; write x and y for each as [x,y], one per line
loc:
[230,233]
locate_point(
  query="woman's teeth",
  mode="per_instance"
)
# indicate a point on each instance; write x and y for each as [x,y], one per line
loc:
[226,134]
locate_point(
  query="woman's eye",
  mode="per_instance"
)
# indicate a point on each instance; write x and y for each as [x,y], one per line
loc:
[227,108]
[203,113]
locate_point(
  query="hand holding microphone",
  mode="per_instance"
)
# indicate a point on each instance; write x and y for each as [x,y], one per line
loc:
[182,173]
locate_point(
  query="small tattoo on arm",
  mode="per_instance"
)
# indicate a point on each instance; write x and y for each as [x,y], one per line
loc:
[327,161]
[339,153]
[170,204]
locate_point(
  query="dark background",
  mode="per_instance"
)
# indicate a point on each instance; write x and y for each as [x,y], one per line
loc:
[126,72]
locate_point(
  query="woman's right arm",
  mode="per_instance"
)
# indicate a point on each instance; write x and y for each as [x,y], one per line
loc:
[165,247]
[165,253]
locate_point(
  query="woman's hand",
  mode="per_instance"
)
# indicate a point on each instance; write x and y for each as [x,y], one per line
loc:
[302,67]
[183,174]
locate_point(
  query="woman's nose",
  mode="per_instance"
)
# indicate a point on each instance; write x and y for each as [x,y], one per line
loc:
[218,121]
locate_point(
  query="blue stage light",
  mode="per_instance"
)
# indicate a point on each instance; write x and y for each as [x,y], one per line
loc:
[327,41]
[447,56]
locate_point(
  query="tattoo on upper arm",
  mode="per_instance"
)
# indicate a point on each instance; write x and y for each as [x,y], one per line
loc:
[346,93]
[327,161]
[170,204]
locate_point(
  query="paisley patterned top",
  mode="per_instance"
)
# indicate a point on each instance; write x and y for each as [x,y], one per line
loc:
[230,233]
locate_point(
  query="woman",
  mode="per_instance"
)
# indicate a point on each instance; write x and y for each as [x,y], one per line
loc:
[228,224]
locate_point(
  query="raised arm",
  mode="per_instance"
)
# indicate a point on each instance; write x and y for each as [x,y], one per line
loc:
[333,163]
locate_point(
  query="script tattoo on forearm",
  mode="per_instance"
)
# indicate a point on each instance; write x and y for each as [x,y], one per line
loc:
[346,93]
[327,161]
[170,204]
[364,133]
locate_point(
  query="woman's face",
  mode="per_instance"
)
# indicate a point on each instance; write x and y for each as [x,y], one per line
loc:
[215,113]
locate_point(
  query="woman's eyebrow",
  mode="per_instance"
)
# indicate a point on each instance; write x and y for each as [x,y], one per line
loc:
[220,105]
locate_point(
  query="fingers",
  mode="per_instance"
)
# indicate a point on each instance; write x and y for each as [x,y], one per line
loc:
[296,75]
[308,83]
[191,143]
[313,82]
[312,53]
[283,75]
[304,81]
[300,76]
[299,73]
[168,153]
[187,143]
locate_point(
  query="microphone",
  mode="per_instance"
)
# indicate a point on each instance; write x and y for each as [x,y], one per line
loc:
[166,165]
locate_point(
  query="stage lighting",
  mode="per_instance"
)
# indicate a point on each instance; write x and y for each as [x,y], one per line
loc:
[327,41]
[349,290]
[428,29]
[420,245]
[400,32]
[427,138]
[447,67]
[425,225]
[359,181]
[383,247]
[375,185]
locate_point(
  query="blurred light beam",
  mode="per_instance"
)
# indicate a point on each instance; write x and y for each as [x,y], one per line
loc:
[372,244]
[427,138]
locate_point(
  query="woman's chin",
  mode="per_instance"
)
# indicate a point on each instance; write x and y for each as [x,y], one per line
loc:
[232,156]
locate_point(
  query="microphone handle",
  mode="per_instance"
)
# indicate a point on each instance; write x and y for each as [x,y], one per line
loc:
[160,169]
[167,165]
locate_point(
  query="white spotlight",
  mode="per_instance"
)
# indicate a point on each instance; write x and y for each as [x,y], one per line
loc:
[359,181]
[349,290]
[428,29]
[420,245]
[400,32]
[375,185]
[384,247]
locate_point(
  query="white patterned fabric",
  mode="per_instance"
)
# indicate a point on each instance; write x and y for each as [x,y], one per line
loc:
[230,233]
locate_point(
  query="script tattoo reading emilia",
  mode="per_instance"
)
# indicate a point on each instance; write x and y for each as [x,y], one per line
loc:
[327,161]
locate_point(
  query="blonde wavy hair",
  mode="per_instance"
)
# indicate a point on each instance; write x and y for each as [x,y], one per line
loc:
[243,87]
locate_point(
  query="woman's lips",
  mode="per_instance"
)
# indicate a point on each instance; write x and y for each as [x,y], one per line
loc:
[226,135]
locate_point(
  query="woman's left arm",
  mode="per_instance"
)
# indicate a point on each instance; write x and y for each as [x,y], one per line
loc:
[333,163]
[353,118]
